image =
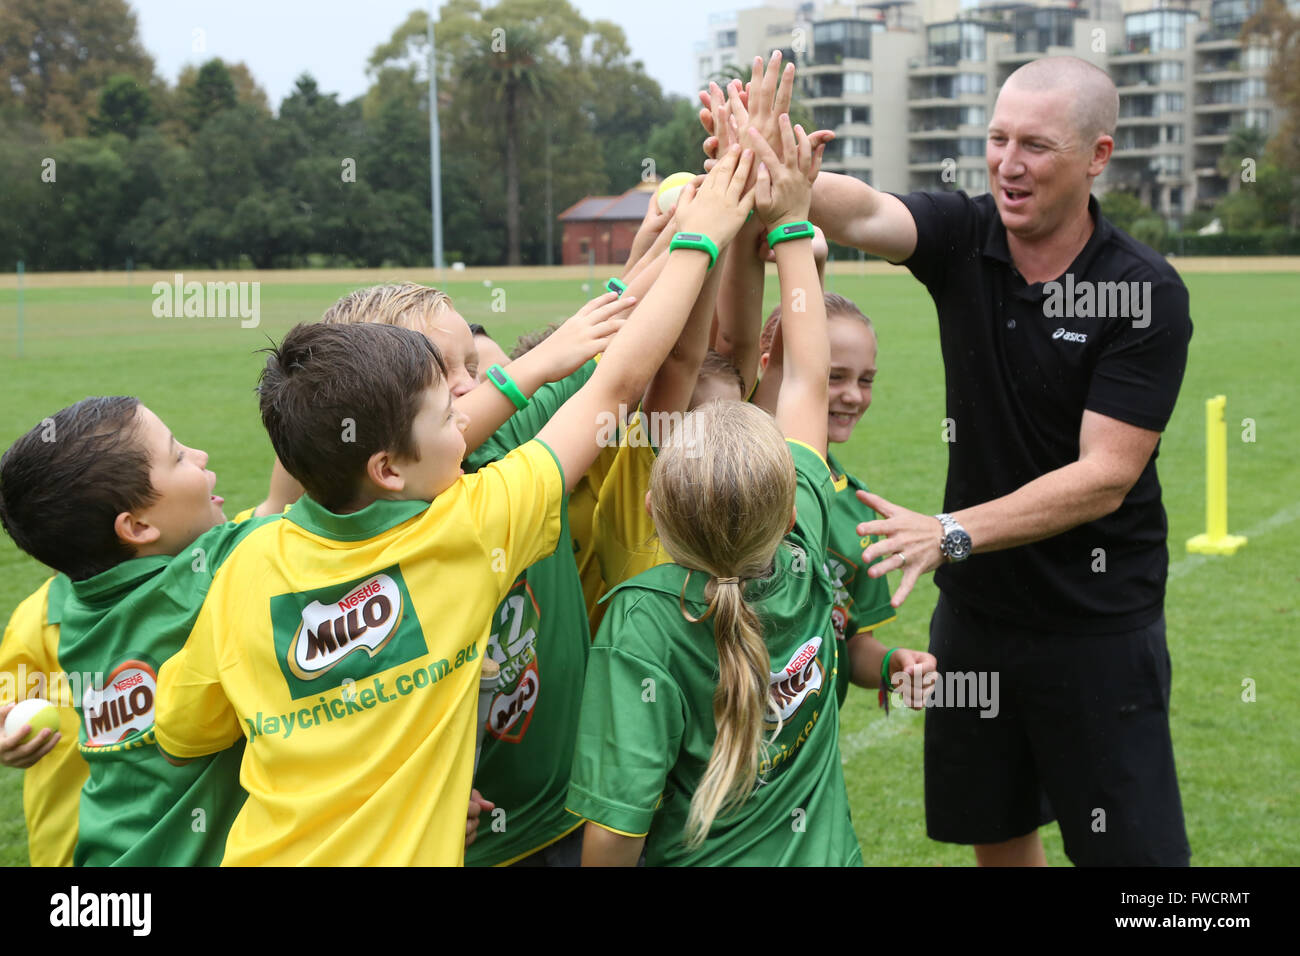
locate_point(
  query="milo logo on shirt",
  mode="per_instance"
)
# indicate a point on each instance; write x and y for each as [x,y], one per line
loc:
[800,677]
[841,572]
[352,630]
[513,645]
[122,707]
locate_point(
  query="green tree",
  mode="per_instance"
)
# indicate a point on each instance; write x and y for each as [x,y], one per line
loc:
[1276,26]
[675,145]
[56,56]
[125,106]
[510,68]
[1123,209]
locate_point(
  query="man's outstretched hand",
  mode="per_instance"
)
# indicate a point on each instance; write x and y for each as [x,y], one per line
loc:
[910,541]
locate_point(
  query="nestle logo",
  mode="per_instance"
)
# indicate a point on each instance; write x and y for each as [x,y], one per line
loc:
[129,682]
[1070,336]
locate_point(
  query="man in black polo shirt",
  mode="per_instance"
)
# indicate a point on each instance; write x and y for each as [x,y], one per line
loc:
[1064,343]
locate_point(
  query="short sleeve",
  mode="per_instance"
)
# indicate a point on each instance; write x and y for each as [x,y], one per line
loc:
[943,229]
[871,607]
[1139,370]
[23,654]
[192,715]
[626,541]
[516,505]
[814,486]
[629,734]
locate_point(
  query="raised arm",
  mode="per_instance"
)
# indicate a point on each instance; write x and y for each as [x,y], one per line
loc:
[673,384]
[586,333]
[717,209]
[854,214]
[782,196]
[740,291]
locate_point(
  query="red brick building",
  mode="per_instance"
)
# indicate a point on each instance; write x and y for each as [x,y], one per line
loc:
[604,226]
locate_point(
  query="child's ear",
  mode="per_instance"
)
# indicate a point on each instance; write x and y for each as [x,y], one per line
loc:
[763,360]
[133,532]
[383,471]
[647,504]
[794,512]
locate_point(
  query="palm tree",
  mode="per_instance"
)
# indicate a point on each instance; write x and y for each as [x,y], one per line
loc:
[1243,142]
[512,68]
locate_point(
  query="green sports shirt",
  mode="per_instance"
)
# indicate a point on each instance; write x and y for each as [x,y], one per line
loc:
[861,601]
[540,637]
[647,728]
[120,626]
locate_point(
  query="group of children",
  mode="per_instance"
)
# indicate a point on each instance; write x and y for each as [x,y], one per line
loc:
[676,599]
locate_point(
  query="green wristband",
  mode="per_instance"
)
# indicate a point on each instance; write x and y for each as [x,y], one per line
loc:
[697,241]
[502,380]
[616,285]
[791,230]
[884,670]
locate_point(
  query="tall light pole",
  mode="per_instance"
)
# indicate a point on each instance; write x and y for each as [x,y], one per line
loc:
[435,148]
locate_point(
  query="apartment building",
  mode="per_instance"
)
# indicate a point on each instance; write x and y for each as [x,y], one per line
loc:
[909,85]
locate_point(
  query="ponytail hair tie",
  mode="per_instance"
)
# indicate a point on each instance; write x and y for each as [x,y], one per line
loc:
[727,580]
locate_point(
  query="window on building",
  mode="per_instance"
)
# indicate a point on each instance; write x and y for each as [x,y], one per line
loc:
[1156,30]
[726,38]
[856,146]
[836,40]
[1037,29]
[972,116]
[857,82]
[860,114]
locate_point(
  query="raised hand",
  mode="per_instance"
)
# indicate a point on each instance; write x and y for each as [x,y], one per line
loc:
[585,334]
[784,185]
[718,206]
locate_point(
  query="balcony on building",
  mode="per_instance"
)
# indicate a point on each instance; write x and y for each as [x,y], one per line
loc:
[1153,35]
[1226,20]
[1141,77]
[947,90]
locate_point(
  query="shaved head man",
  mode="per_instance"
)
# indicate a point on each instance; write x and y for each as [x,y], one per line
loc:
[1064,343]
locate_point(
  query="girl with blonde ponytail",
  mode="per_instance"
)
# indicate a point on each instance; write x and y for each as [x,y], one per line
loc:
[709,730]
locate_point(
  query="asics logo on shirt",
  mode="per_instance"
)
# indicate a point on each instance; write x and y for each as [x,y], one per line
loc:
[801,676]
[1070,336]
[363,619]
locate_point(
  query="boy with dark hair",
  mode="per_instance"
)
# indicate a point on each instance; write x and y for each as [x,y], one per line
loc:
[345,642]
[103,493]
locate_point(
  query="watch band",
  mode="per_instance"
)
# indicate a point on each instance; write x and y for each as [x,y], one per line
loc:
[502,380]
[698,241]
[791,230]
[616,285]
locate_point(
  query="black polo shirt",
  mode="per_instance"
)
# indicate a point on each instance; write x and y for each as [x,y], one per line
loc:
[1022,363]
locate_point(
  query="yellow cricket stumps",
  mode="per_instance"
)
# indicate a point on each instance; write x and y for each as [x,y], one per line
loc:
[1216,539]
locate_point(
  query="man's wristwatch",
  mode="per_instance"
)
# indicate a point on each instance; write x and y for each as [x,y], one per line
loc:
[955,543]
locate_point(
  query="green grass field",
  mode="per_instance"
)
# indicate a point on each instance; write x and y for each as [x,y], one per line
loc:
[1228,618]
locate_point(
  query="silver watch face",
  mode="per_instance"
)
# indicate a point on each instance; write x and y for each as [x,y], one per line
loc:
[956,545]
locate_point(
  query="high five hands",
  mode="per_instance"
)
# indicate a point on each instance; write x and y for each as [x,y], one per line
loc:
[759,104]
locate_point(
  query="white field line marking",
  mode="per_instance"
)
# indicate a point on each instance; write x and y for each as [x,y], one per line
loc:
[860,740]
[1280,519]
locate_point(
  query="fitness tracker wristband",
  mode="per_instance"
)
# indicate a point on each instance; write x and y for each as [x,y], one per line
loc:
[617,286]
[698,241]
[791,230]
[502,380]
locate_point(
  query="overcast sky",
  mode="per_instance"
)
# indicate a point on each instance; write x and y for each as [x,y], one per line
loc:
[331,39]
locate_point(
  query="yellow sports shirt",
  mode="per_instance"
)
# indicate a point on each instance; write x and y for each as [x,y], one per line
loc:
[51,786]
[582,514]
[623,534]
[347,650]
